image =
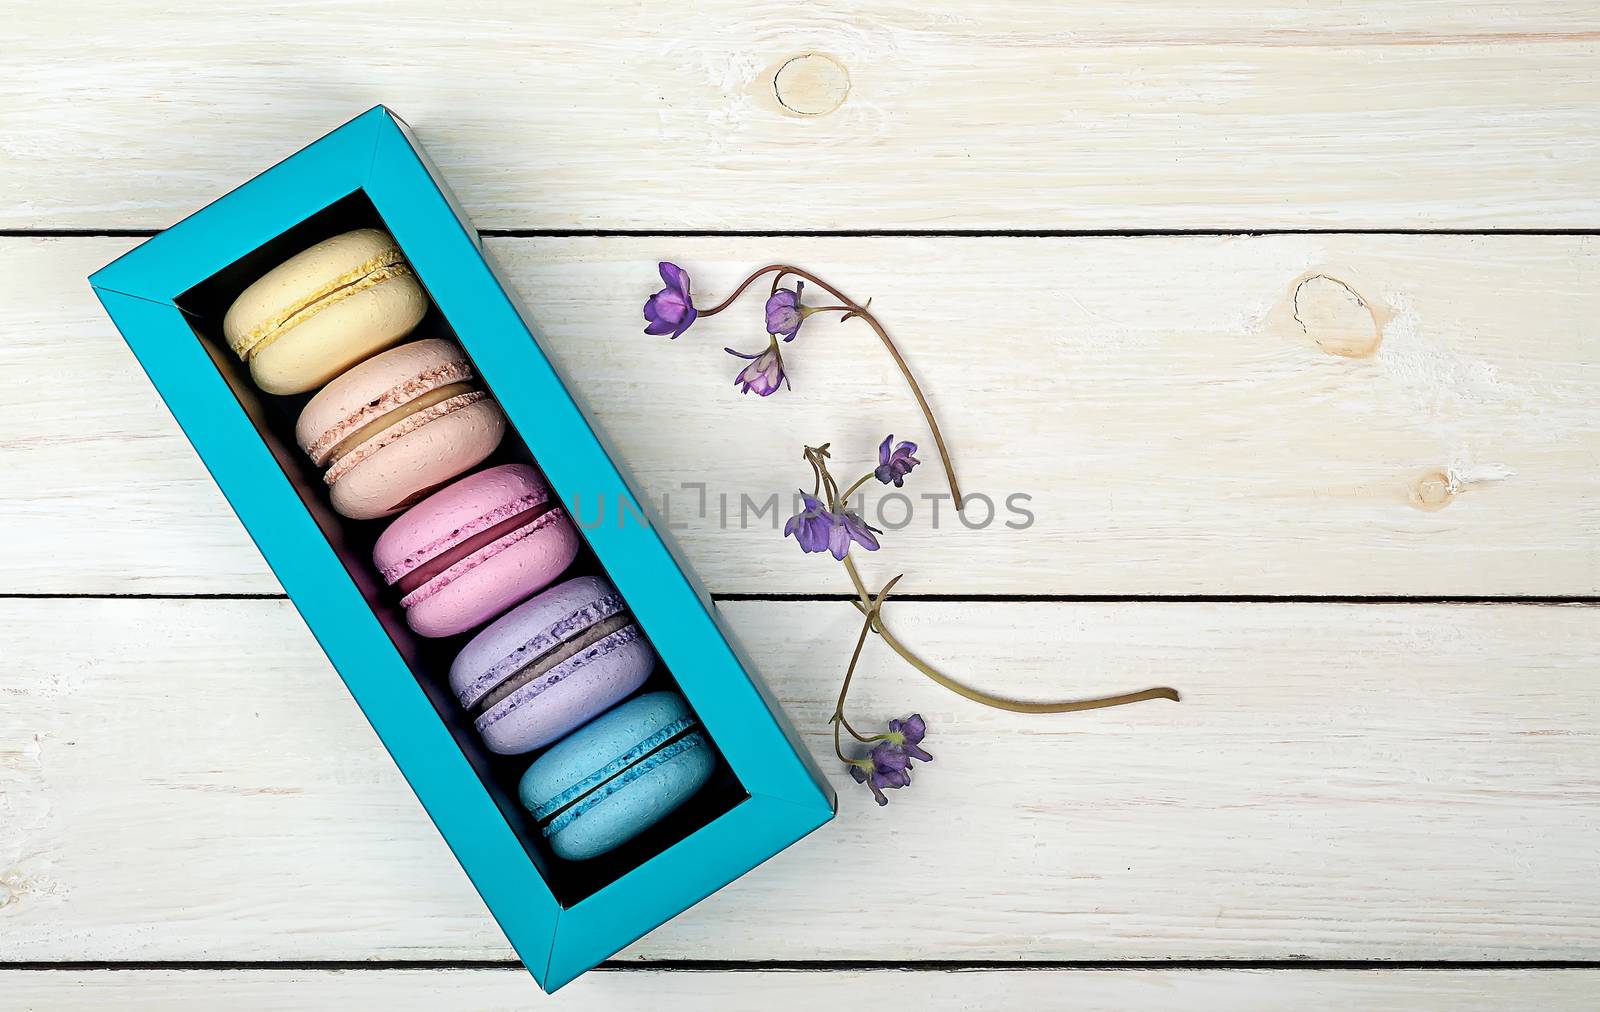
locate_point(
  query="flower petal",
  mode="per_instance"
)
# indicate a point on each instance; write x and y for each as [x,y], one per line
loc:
[887,757]
[891,779]
[913,727]
[859,531]
[839,540]
[813,536]
[673,275]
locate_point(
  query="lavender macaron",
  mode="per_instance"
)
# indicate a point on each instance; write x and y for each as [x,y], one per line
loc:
[551,664]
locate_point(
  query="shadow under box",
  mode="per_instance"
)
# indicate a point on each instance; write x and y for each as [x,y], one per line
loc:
[352,540]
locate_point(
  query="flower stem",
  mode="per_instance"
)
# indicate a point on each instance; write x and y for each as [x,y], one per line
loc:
[874,619]
[817,456]
[865,739]
[905,370]
[852,308]
[845,498]
[850,672]
[844,689]
[730,300]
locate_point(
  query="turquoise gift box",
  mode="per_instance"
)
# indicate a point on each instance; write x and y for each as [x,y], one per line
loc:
[167,297]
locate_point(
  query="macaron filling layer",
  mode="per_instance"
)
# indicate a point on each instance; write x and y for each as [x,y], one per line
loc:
[398,424]
[670,741]
[552,666]
[388,264]
[512,529]
[320,449]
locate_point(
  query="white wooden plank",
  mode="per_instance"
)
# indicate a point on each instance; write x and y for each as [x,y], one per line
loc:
[781,991]
[1177,428]
[1370,114]
[187,780]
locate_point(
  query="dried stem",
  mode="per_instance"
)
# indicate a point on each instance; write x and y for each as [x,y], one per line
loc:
[844,497]
[850,672]
[870,608]
[838,708]
[730,300]
[853,309]
[875,620]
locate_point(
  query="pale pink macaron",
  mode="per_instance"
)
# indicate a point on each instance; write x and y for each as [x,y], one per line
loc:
[469,552]
[398,426]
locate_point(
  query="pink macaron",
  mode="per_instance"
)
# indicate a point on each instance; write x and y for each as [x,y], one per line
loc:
[398,426]
[551,664]
[470,551]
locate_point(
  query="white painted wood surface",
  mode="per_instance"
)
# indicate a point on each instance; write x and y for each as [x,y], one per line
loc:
[1371,114]
[1321,415]
[1340,782]
[935,991]
[1177,428]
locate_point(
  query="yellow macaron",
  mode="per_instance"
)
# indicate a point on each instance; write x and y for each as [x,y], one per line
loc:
[324,310]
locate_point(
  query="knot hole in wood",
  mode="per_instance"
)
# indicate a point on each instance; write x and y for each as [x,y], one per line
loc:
[811,84]
[1336,317]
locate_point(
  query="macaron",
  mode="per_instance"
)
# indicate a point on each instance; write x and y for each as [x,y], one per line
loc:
[323,310]
[473,549]
[549,665]
[618,776]
[398,426]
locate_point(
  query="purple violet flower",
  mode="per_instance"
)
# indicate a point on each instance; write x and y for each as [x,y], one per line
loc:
[818,530]
[849,527]
[811,527]
[784,314]
[670,310]
[871,780]
[764,373]
[890,761]
[885,768]
[908,734]
[893,466]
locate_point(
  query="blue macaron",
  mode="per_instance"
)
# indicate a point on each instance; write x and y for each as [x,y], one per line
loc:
[617,776]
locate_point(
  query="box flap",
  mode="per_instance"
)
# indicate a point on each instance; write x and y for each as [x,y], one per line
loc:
[225,230]
[677,879]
